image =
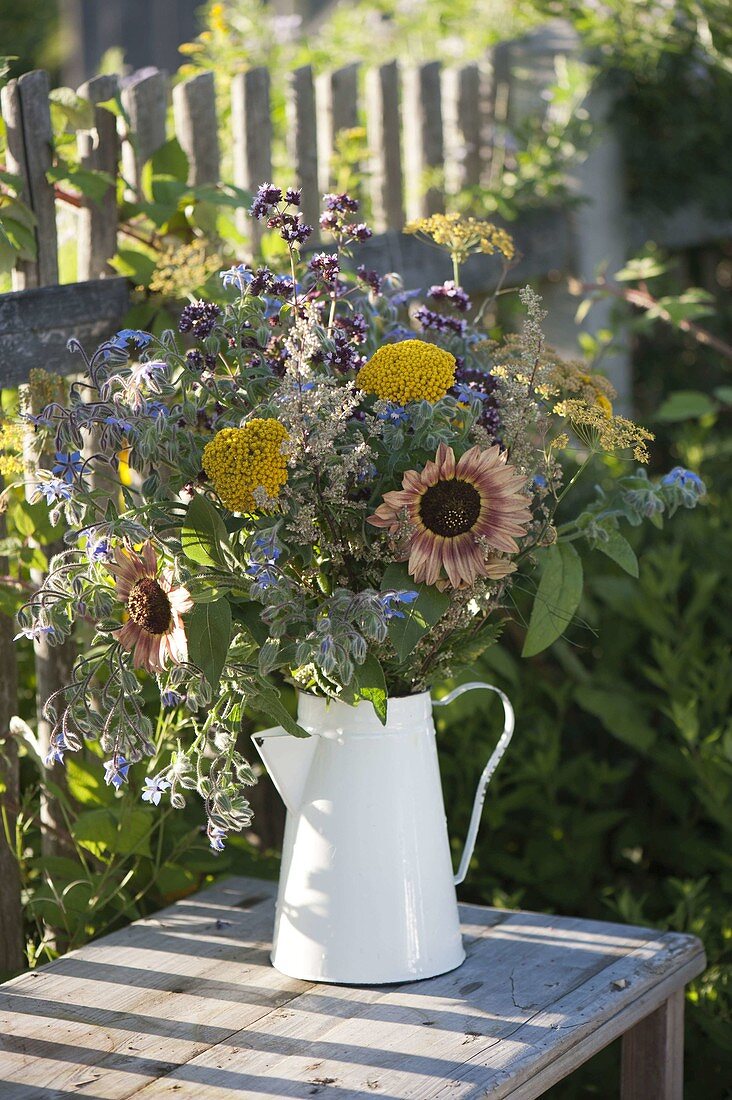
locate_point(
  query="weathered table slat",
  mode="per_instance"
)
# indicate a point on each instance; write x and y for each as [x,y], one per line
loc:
[185,1004]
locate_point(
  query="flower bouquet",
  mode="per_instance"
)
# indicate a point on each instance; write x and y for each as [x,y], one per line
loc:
[326,480]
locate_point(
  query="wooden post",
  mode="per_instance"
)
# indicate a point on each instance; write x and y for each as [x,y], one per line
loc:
[302,142]
[27,118]
[196,127]
[11,913]
[653,1054]
[423,140]
[598,222]
[98,150]
[52,663]
[251,127]
[461,92]
[385,181]
[336,99]
[145,99]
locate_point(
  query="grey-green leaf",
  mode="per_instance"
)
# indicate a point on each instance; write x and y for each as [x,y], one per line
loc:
[369,683]
[419,616]
[203,535]
[622,553]
[556,600]
[208,628]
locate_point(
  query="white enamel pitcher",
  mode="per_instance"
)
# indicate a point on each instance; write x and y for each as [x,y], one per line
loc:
[367,890]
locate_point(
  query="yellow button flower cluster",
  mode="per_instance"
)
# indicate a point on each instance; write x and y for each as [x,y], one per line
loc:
[240,460]
[411,370]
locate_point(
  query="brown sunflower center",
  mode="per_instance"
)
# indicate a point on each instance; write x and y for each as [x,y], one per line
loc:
[450,508]
[148,606]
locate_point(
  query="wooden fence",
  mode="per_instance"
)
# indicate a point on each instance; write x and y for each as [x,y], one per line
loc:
[427,127]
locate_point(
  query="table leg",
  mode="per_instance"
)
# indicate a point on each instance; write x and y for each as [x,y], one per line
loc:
[653,1054]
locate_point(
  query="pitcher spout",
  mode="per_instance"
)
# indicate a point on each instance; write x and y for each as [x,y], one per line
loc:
[287,760]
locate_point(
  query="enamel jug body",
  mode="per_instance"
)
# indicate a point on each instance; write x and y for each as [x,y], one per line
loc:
[367,891]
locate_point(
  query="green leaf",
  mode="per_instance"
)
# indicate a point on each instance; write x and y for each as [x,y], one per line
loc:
[419,616]
[724,394]
[92,183]
[620,715]
[266,700]
[85,782]
[170,160]
[203,535]
[619,549]
[369,683]
[556,600]
[250,614]
[208,628]
[134,265]
[165,174]
[125,831]
[31,521]
[69,109]
[685,405]
[11,180]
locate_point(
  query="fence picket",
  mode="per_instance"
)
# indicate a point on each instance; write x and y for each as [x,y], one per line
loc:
[196,127]
[386,180]
[302,139]
[461,91]
[423,139]
[145,100]
[251,126]
[27,115]
[336,100]
[99,151]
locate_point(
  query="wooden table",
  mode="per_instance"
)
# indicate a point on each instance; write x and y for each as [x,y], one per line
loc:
[185,1004]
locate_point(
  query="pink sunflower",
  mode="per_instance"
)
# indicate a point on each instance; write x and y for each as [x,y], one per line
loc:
[453,514]
[154,632]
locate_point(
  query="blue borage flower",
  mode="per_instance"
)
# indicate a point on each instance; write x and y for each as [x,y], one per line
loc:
[115,771]
[68,465]
[393,414]
[35,633]
[262,565]
[127,336]
[118,422]
[684,479]
[216,836]
[98,550]
[171,699]
[237,276]
[53,489]
[466,392]
[154,789]
[55,754]
[389,599]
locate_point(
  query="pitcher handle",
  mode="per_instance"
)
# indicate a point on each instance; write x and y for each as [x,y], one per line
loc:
[488,770]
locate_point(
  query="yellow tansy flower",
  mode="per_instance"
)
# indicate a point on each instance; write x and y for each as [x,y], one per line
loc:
[240,461]
[411,370]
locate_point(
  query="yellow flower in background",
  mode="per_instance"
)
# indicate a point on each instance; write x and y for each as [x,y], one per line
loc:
[246,465]
[217,18]
[411,370]
[600,430]
[605,404]
[463,237]
[11,449]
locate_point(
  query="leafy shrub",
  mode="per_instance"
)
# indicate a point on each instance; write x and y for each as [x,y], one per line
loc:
[615,797]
